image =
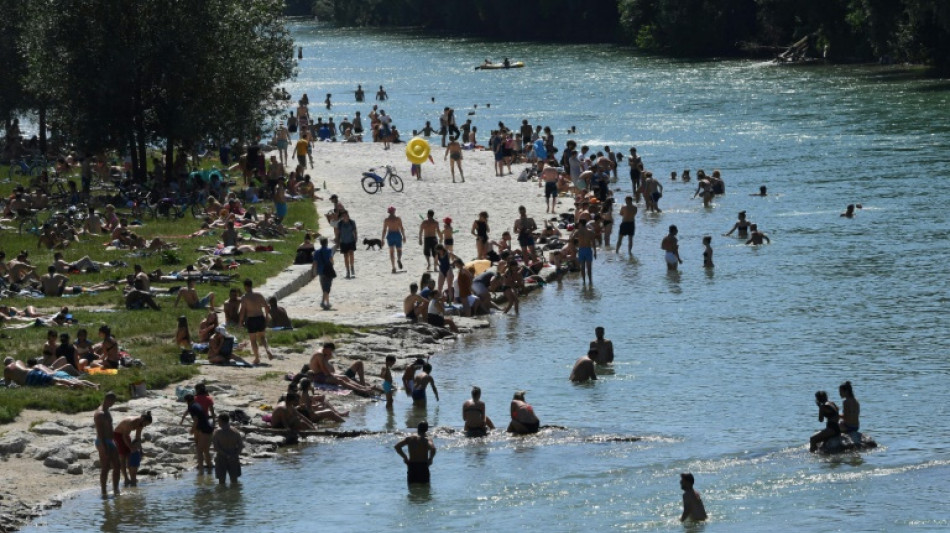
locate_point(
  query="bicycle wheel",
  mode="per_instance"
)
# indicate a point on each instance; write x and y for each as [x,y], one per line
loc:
[197,211]
[371,185]
[29,225]
[16,170]
[395,182]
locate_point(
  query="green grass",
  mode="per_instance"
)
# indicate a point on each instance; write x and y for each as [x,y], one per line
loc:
[146,335]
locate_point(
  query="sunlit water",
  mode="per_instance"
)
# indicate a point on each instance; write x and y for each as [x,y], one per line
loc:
[715,369]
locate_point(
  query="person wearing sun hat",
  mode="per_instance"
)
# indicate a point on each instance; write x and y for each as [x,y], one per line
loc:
[394,234]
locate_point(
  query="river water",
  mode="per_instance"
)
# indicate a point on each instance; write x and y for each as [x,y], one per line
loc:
[716,370]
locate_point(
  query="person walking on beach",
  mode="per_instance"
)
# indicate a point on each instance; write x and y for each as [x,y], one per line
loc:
[394,234]
[323,268]
[603,348]
[228,444]
[672,248]
[421,453]
[585,251]
[347,237]
[429,237]
[454,150]
[283,141]
[301,149]
[280,199]
[693,508]
[477,422]
[549,179]
[105,445]
[254,315]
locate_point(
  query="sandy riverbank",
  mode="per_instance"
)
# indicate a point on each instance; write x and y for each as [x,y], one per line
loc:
[46,455]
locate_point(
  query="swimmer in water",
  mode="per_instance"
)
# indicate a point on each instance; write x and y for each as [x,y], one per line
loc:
[849,211]
[693,508]
[523,419]
[707,252]
[762,192]
[477,422]
[757,237]
[741,225]
[671,246]
[584,368]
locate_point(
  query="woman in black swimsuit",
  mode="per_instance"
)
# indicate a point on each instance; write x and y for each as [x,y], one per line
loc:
[742,225]
[480,230]
[827,413]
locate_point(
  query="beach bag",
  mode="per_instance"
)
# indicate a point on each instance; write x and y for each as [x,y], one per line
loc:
[137,389]
[329,271]
[186,357]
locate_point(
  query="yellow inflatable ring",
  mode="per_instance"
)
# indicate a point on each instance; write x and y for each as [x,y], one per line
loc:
[417,150]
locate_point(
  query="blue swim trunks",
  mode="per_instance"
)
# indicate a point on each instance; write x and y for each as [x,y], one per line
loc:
[38,378]
[585,254]
[387,387]
[394,239]
[281,209]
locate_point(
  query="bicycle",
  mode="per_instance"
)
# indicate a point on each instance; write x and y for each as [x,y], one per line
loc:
[373,182]
[27,167]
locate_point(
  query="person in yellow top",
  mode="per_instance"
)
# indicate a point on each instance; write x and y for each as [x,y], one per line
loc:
[301,150]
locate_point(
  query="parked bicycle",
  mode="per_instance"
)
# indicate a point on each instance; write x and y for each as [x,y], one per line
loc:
[31,166]
[373,182]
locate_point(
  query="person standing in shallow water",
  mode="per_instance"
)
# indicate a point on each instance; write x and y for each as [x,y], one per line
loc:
[672,248]
[603,348]
[421,454]
[707,252]
[693,508]
[105,445]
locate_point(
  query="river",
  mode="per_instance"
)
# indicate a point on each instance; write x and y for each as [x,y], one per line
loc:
[716,370]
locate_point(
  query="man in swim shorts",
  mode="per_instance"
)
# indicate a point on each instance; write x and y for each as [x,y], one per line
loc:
[421,453]
[190,295]
[603,348]
[672,248]
[394,234]
[628,224]
[228,444]
[549,178]
[585,250]
[108,452]
[429,237]
[254,314]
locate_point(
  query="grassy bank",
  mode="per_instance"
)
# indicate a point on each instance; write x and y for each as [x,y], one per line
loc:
[147,335]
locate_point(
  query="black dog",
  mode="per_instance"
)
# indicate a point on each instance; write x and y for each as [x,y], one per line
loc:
[370,243]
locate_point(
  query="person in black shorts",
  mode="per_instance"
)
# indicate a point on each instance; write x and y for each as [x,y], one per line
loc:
[429,236]
[254,313]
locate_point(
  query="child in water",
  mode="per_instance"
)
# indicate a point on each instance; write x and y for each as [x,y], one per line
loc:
[387,376]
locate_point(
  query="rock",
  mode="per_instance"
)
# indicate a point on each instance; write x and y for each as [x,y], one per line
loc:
[74,469]
[263,455]
[56,463]
[847,442]
[13,444]
[50,428]
[266,440]
[176,444]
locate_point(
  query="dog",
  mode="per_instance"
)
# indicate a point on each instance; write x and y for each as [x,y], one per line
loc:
[370,243]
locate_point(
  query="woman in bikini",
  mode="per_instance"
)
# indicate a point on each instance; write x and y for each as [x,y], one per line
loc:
[448,234]
[741,225]
[454,149]
[446,276]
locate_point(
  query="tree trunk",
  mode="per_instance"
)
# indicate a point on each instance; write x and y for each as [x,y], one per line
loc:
[42,129]
[136,177]
[169,160]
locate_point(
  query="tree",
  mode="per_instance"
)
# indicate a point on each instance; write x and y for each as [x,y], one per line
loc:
[125,74]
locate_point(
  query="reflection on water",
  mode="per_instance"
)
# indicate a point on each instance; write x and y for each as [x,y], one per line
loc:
[715,369]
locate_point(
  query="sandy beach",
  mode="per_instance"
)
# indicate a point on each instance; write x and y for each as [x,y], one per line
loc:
[43,449]
[375,296]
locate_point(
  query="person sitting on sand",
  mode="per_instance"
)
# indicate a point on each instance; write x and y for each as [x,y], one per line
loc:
[477,422]
[183,334]
[232,307]
[436,313]
[15,371]
[190,295]
[828,413]
[278,315]
[107,349]
[315,406]
[850,409]
[286,416]
[693,508]
[584,368]
[414,306]
[325,373]
[523,419]
[207,326]
[221,348]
